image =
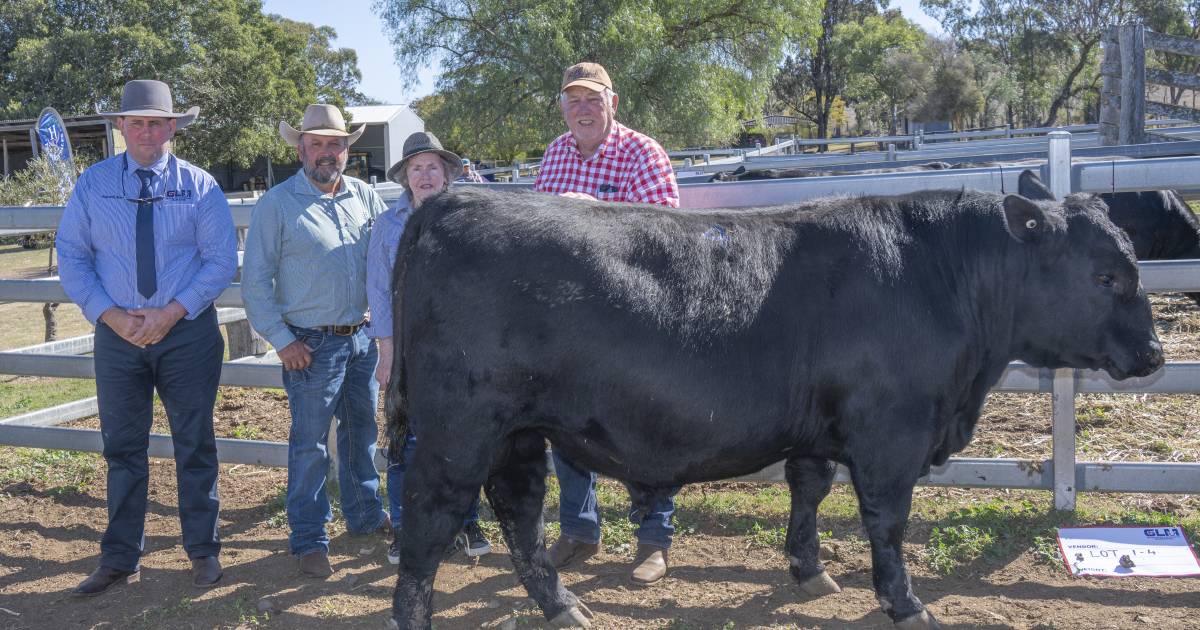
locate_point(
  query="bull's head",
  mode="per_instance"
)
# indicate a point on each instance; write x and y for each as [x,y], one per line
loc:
[1081,303]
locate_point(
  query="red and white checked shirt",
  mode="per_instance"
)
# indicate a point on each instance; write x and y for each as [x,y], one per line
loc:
[628,166]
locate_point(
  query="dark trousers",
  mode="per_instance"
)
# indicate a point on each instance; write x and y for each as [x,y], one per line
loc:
[184,368]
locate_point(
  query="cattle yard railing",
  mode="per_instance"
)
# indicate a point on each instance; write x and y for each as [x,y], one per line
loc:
[1123,100]
[1062,474]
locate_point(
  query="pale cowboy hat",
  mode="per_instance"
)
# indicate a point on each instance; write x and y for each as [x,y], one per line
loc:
[320,120]
[416,144]
[151,99]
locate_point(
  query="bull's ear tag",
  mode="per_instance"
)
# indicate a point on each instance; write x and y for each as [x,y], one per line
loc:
[1022,217]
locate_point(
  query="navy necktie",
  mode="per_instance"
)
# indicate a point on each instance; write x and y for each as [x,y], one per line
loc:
[147,277]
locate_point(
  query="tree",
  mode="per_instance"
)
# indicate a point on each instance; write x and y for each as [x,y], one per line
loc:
[337,71]
[1173,17]
[1048,47]
[687,71]
[953,94]
[815,73]
[245,70]
[885,63]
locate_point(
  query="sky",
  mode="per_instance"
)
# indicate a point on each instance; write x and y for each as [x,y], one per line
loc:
[360,28]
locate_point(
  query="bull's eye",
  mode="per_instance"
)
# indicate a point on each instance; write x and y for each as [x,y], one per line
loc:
[1105,280]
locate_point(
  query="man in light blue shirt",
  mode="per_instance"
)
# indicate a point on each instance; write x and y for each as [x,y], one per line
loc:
[304,286]
[146,245]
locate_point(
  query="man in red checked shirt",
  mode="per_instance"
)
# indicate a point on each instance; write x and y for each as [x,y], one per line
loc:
[601,159]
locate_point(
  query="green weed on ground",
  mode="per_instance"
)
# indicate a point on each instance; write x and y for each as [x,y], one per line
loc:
[276,507]
[60,472]
[245,432]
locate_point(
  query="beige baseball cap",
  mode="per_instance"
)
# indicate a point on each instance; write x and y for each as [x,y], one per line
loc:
[590,75]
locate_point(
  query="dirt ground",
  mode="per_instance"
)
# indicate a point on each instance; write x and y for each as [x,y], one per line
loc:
[49,543]
[720,578]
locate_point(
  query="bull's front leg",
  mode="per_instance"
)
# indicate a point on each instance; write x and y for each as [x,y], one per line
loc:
[436,500]
[884,484]
[809,481]
[517,491]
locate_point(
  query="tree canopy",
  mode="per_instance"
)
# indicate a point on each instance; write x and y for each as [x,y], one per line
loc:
[246,70]
[687,71]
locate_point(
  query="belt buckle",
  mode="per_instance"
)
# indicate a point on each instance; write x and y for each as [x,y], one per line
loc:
[345,330]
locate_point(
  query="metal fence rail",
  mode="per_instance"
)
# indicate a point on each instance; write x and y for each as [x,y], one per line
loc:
[1062,474]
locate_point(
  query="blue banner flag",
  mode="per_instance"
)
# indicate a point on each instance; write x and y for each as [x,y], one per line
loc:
[56,147]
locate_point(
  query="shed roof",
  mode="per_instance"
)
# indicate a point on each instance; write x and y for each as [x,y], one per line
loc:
[374,114]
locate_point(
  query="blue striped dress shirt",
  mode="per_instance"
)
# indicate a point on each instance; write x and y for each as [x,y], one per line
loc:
[381,258]
[195,245]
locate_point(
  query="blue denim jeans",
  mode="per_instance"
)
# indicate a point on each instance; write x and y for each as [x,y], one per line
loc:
[339,383]
[395,484]
[579,514]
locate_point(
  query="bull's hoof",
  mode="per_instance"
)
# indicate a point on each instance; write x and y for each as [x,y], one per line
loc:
[920,621]
[572,618]
[819,585]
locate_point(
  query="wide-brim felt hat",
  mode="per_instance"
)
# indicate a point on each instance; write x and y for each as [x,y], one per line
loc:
[320,120]
[151,99]
[416,144]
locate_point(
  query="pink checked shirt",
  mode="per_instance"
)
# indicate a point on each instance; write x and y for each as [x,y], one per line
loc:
[628,166]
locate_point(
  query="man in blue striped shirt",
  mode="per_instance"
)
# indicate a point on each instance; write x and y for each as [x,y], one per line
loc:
[146,245]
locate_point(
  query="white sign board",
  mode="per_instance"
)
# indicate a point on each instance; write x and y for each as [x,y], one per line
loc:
[1128,551]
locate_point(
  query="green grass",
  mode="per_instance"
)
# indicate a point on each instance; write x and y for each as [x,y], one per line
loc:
[60,472]
[166,615]
[26,324]
[246,432]
[247,613]
[22,395]
[277,508]
[769,537]
[951,547]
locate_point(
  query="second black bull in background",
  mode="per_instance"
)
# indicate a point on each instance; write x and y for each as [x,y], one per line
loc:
[664,347]
[1159,223]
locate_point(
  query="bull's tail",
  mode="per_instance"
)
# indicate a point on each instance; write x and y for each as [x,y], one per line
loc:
[395,407]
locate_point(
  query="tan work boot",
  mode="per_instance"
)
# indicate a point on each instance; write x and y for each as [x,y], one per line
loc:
[567,551]
[650,564]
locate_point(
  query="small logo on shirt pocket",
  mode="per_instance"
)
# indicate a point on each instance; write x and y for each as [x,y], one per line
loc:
[607,188]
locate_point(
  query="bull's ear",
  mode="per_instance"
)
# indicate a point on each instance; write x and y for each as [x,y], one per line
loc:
[1030,186]
[1024,219]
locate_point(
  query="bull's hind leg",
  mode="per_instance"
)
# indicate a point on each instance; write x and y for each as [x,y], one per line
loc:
[884,485]
[809,480]
[517,490]
[439,487]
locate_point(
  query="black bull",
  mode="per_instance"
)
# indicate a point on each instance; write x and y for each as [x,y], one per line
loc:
[664,347]
[1159,223]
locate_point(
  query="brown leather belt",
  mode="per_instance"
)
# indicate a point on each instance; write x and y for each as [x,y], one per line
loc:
[344,331]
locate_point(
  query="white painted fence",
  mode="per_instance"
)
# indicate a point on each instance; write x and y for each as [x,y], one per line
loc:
[1062,474]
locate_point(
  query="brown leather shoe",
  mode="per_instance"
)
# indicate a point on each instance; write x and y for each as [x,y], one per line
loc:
[650,564]
[206,572]
[102,579]
[567,551]
[316,564]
